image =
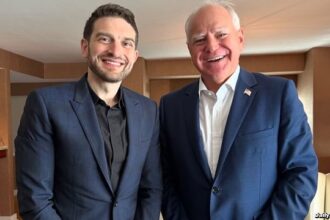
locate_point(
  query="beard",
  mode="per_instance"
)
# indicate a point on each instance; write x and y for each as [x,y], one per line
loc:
[106,75]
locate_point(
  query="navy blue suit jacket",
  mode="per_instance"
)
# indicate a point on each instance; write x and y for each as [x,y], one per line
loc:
[267,167]
[61,164]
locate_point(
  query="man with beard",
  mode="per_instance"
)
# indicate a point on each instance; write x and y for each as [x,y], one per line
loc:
[89,149]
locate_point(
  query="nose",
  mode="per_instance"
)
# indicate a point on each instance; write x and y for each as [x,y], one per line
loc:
[115,48]
[212,44]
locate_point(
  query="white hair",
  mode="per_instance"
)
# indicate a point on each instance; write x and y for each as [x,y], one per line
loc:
[228,5]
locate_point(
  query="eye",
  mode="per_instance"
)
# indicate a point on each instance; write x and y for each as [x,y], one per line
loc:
[128,44]
[198,41]
[104,39]
[221,35]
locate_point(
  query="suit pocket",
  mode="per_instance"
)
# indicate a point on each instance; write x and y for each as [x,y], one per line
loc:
[259,141]
[256,135]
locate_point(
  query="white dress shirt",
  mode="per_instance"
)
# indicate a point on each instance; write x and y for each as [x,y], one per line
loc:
[213,113]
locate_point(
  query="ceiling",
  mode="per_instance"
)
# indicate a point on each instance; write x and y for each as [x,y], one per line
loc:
[50,31]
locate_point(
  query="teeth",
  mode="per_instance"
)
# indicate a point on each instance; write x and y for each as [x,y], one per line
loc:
[215,58]
[113,62]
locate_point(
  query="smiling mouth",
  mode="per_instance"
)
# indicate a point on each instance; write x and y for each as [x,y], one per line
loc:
[216,59]
[112,61]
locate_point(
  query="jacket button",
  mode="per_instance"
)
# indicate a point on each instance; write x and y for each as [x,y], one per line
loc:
[215,189]
[115,204]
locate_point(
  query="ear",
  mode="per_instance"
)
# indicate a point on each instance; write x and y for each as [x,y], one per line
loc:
[189,47]
[136,55]
[241,38]
[84,47]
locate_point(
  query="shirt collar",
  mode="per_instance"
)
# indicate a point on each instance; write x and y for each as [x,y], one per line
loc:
[230,82]
[98,100]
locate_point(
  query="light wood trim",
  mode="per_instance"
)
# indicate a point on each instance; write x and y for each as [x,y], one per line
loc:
[15,62]
[3,147]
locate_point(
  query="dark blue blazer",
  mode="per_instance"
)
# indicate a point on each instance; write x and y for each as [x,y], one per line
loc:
[267,167]
[61,164]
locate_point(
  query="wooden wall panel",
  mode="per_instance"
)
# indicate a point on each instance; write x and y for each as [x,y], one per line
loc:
[160,87]
[324,164]
[23,89]
[321,97]
[160,68]
[6,163]
[274,63]
[64,70]
[136,80]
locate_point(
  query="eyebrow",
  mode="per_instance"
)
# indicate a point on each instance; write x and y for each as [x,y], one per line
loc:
[197,36]
[220,29]
[111,36]
[201,35]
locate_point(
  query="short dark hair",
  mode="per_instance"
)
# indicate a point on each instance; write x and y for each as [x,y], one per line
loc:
[110,10]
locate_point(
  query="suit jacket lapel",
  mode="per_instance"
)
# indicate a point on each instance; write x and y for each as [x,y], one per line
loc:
[240,106]
[191,114]
[134,115]
[85,111]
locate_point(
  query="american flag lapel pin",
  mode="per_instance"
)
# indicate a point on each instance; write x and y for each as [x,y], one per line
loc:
[247,92]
